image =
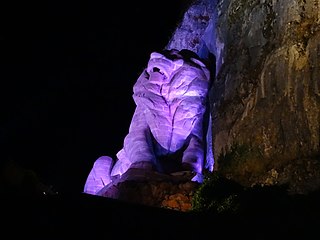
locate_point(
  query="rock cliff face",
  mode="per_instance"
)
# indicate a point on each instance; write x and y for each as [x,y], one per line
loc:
[265,97]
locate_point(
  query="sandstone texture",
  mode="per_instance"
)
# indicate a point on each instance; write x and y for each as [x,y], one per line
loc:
[265,98]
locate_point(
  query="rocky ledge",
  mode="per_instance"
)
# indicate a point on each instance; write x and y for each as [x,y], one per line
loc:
[151,188]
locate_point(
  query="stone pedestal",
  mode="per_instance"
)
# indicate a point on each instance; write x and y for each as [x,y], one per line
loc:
[138,186]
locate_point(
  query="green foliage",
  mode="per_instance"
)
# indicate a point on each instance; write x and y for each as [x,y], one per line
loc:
[220,195]
[216,194]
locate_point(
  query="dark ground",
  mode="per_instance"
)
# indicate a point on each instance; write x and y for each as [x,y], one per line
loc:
[86,217]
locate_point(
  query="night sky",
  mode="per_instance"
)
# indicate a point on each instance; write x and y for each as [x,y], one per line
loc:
[67,72]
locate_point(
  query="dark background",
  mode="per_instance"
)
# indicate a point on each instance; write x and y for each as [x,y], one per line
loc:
[67,72]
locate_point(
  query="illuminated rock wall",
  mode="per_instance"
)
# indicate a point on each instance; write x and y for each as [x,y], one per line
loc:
[265,97]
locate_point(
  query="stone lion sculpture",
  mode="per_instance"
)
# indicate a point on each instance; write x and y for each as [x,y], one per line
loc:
[166,132]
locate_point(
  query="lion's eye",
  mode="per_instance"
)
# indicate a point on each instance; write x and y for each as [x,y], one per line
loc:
[155,69]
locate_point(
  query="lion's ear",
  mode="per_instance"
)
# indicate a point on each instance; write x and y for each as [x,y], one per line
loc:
[156,55]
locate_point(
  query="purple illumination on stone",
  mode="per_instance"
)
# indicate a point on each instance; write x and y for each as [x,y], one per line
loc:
[166,132]
[99,175]
[170,96]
